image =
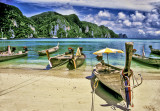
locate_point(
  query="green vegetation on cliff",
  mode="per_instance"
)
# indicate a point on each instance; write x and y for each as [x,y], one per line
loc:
[48,24]
[13,23]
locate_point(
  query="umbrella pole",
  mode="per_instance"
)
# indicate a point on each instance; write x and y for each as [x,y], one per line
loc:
[108,61]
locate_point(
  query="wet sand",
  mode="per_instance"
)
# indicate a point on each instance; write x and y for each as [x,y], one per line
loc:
[27,89]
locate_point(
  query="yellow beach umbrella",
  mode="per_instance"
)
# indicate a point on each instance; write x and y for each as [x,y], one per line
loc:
[107,51]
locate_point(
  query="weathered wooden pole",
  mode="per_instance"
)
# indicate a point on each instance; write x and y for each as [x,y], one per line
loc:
[73,59]
[72,52]
[129,52]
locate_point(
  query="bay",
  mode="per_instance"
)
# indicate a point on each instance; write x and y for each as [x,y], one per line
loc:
[89,46]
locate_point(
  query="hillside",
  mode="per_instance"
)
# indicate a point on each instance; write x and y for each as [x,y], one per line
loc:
[14,24]
[48,24]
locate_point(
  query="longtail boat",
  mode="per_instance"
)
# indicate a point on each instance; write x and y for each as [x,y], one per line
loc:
[50,50]
[74,61]
[117,79]
[154,51]
[8,55]
[146,60]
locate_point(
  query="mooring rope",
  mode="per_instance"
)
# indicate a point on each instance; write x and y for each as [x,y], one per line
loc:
[95,85]
[129,100]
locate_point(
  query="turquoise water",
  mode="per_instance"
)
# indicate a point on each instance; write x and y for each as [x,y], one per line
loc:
[89,46]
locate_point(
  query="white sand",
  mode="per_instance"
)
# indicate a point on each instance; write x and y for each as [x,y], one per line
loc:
[35,90]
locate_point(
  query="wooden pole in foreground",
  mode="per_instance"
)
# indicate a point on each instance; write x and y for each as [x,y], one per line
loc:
[129,48]
[47,54]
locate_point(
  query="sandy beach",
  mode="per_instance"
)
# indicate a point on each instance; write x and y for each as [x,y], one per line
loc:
[61,90]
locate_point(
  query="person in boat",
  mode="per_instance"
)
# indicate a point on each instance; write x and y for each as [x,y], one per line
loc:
[134,50]
[99,57]
[70,51]
[13,49]
[25,49]
[81,49]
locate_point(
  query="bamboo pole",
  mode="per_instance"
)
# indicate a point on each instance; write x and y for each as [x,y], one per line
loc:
[129,48]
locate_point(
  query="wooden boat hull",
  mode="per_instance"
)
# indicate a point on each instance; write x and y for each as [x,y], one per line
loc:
[155,51]
[74,61]
[9,57]
[59,60]
[78,61]
[62,59]
[111,79]
[42,53]
[51,50]
[107,94]
[146,60]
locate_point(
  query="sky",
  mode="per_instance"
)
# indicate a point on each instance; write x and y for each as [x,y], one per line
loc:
[136,18]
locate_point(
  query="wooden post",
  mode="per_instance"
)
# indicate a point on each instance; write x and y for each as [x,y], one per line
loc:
[72,51]
[73,58]
[129,48]
[47,54]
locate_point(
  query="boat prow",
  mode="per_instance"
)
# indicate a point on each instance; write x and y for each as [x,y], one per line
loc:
[154,51]
[50,50]
[54,37]
[146,60]
[3,38]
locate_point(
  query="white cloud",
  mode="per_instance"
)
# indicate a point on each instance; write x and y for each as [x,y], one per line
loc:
[152,17]
[121,16]
[31,14]
[137,16]
[137,23]
[154,33]
[127,23]
[140,31]
[89,18]
[143,5]
[104,14]
[157,32]
[150,33]
[107,23]
[67,11]
[155,11]
[104,22]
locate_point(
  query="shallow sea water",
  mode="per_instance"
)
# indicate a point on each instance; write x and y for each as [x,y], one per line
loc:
[32,60]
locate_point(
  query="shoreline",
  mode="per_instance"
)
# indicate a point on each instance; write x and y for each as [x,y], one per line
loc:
[82,72]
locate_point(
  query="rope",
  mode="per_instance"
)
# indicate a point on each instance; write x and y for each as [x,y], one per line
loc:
[93,93]
[96,84]
[127,78]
